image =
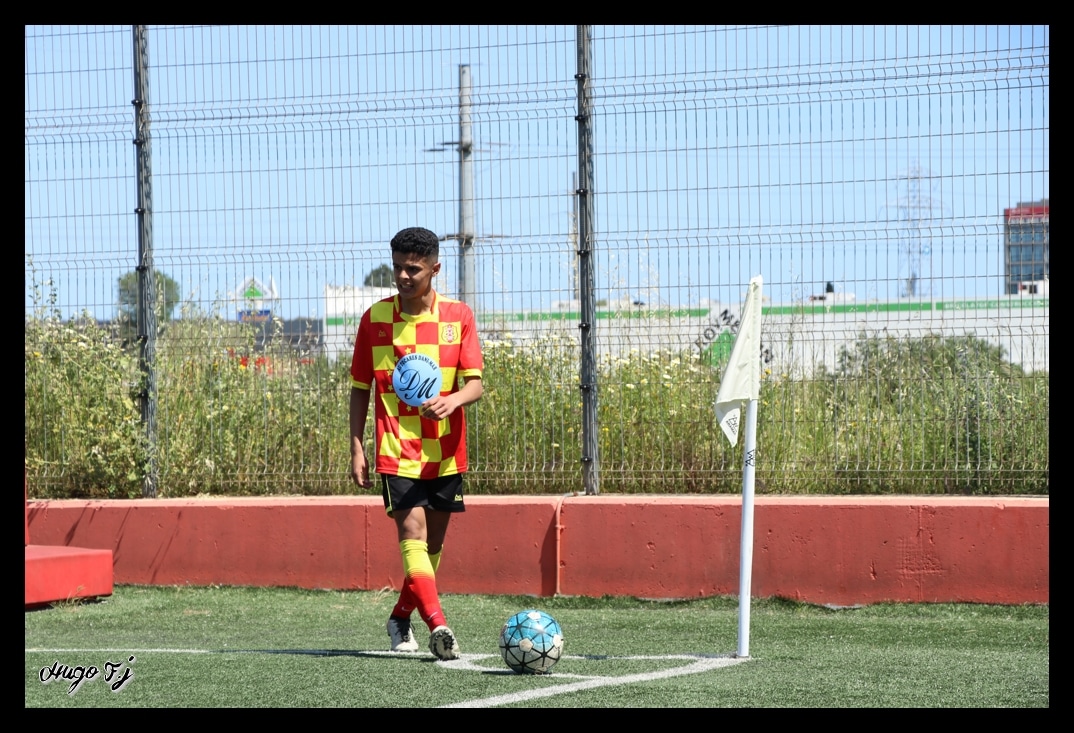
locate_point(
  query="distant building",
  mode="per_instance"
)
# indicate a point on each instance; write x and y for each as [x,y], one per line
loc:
[1025,248]
[830,296]
[344,306]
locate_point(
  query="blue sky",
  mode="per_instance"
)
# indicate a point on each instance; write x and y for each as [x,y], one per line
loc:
[806,154]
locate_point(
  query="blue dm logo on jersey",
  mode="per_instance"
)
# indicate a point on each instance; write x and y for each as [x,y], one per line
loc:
[416,379]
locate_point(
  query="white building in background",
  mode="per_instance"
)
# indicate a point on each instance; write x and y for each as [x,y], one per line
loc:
[343,309]
[796,337]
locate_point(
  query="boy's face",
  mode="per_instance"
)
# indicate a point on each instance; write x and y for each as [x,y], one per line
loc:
[414,274]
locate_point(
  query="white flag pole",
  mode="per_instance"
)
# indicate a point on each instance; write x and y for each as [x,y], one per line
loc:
[745,568]
[741,382]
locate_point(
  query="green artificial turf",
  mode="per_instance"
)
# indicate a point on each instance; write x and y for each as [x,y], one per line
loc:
[253,647]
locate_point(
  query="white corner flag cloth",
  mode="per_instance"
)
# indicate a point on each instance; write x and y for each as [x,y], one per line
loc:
[742,377]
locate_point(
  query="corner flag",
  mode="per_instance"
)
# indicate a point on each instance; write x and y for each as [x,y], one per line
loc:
[742,383]
[742,377]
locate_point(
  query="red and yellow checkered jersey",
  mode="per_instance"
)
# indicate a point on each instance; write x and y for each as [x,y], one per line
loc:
[408,444]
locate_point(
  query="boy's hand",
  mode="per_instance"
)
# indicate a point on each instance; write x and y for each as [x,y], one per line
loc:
[360,471]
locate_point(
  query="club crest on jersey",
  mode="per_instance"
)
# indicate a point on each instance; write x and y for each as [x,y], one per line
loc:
[448,333]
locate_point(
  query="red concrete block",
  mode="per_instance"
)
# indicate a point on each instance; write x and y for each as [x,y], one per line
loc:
[834,550]
[826,550]
[56,573]
[504,545]
[851,550]
[651,547]
[306,542]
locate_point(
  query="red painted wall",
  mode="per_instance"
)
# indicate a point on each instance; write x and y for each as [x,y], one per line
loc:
[840,551]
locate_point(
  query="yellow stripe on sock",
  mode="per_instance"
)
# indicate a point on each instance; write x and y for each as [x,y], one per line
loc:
[416,561]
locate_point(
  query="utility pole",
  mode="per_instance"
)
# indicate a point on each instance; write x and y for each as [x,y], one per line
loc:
[587,323]
[467,279]
[147,281]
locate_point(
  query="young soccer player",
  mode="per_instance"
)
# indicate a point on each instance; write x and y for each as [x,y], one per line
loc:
[420,451]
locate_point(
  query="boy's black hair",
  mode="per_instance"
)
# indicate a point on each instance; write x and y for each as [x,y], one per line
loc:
[417,241]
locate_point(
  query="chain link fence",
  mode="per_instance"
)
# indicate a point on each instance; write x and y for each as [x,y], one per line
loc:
[891,184]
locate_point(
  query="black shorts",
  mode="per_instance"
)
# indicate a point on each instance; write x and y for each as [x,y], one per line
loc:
[443,494]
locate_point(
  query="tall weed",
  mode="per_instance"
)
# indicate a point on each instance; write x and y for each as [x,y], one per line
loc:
[240,412]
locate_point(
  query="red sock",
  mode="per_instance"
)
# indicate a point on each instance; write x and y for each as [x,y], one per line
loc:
[421,582]
[407,600]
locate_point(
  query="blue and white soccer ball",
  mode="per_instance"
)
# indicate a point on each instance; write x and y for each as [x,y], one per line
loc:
[531,642]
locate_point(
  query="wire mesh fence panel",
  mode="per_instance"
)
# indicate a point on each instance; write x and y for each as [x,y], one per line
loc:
[890,183]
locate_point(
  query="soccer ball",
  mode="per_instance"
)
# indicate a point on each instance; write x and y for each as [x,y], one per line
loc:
[531,642]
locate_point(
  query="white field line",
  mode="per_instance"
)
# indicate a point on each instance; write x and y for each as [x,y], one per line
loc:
[310,652]
[697,665]
[121,651]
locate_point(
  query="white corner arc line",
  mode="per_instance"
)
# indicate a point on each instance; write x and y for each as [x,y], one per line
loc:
[701,664]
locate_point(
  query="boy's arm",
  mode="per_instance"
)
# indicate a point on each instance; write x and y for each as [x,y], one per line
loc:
[359,411]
